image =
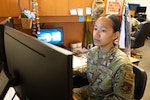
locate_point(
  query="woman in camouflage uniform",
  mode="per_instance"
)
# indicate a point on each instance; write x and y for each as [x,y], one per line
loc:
[109,70]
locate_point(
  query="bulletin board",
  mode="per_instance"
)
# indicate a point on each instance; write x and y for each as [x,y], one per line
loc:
[114,7]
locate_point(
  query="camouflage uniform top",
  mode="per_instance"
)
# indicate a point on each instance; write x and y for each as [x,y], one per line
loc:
[110,75]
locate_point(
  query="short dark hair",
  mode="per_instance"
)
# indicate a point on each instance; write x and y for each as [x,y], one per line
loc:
[115,21]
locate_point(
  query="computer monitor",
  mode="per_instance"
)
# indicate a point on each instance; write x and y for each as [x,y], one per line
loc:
[133,6]
[140,10]
[41,71]
[51,35]
[6,22]
[4,76]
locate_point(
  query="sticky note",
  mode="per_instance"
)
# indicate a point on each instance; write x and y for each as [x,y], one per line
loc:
[88,11]
[81,18]
[80,11]
[89,18]
[73,11]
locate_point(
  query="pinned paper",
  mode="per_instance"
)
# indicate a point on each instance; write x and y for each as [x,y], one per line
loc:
[73,11]
[80,11]
[88,11]
[81,18]
[88,18]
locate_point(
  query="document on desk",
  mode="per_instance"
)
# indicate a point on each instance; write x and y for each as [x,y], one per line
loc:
[78,62]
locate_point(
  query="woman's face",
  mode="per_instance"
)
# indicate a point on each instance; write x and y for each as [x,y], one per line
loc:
[103,34]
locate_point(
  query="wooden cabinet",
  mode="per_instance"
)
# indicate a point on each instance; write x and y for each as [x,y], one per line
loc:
[46,7]
[10,7]
[53,7]
[61,7]
[80,4]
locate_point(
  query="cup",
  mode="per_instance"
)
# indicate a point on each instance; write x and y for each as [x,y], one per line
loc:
[89,46]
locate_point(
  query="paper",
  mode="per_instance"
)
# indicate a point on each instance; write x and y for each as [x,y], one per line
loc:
[73,11]
[80,11]
[81,18]
[89,18]
[88,11]
[122,35]
[77,62]
[114,6]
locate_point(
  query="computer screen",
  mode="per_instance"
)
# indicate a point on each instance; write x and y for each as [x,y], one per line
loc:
[51,35]
[133,6]
[41,71]
[140,10]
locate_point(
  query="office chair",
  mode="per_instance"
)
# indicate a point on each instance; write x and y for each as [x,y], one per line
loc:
[140,82]
[139,37]
[148,35]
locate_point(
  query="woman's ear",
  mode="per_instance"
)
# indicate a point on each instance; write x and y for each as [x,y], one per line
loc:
[116,35]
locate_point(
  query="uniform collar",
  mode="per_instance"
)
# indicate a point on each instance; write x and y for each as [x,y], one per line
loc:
[103,55]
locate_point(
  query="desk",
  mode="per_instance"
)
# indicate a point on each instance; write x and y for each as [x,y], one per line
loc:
[79,62]
[134,60]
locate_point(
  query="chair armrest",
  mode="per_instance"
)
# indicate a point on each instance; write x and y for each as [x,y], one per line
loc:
[132,38]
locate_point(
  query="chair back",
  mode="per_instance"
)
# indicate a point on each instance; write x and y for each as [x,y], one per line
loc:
[148,33]
[141,35]
[140,82]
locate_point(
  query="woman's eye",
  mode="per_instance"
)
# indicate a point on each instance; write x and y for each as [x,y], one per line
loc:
[95,28]
[103,30]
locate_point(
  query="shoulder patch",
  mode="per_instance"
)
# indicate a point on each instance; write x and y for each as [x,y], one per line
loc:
[126,88]
[129,76]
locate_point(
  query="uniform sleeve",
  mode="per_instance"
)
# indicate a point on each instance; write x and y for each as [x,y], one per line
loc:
[80,71]
[123,84]
[83,69]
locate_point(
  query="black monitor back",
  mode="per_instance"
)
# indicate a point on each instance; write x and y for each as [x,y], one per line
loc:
[5,82]
[42,71]
[6,22]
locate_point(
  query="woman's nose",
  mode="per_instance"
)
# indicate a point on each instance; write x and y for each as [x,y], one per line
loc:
[97,33]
